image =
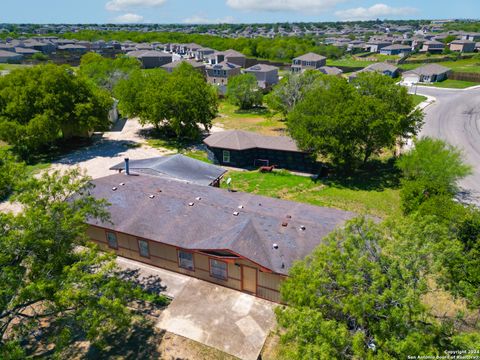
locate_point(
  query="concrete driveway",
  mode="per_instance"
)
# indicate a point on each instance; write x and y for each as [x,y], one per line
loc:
[455,117]
[228,320]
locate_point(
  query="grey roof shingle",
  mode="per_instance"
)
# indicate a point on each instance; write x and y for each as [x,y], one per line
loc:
[310,57]
[210,224]
[429,69]
[243,140]
[178,166]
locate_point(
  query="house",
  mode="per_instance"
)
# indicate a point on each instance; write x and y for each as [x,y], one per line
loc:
[196,64]
[396,49]
[202,53]
[177,167]
[308,61]
[330,70]
[428,73]
[465,46]
[233,57]
[376,45]
[10,57]
[266,75]
[381,68]
[151,58]
[72,49]
[246,149]
[219,74]
[238,240]
[26,52]
[432,46]
[471,36]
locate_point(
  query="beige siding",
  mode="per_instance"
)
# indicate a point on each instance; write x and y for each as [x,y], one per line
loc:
[165,256]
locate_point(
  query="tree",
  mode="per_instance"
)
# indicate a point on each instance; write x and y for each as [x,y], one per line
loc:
[41,104]
[290,91]
[176,102]
[243,91]
[348,123]
[105,72]
[431,168]
[359,295]
[50,274]
[10,171]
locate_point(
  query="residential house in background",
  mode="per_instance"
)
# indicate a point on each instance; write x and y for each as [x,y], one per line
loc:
[10,57]
[151,58]
[376,45]
[381,68]
[428,73]
[432,46]
[246,149]
[196,64]
[219,74]
[309,61]
[396,49]
[465,46]
[475,37]
[266,75]
[330,70]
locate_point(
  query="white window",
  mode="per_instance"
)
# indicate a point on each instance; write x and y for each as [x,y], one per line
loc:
[218,269]
[143,248]
[185,260]
[112,240]
[226,156]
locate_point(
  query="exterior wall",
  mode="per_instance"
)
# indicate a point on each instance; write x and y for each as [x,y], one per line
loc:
[463,47]
[219,77]
[154,62]
[237,60]
[265,79]
[283,159]
[166,257]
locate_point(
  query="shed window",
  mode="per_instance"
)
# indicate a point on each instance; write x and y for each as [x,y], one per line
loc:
[143,248]
[226,156]
[112,240]
[185,260]
[218,269]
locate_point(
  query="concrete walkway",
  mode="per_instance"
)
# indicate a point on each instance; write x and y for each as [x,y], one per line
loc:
[228,320]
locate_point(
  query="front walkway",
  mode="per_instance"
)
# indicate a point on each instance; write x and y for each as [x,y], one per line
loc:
[228,320]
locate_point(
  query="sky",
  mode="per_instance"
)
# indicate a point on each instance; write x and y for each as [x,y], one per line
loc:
[229,11]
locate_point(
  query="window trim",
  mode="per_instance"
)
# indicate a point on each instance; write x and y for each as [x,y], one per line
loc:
[108,242]
[210,269]
[226,152]
[139,249]
[187,252]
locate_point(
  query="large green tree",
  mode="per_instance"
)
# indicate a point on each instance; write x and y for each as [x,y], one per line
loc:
[178,102]
[52,276]
[40,104]
[350,122]
[243,91]
[359,295]
[10,171]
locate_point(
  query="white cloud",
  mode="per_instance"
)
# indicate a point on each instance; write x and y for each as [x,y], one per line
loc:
[284,5]
[199,19]
[129,18]
[374,12]
[119,5]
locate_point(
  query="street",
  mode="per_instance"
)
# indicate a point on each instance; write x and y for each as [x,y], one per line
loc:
[454,117]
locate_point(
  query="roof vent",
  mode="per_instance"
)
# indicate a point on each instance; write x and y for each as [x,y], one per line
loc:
[302,227]
[289,216]
[240,206]
[114,188]
[284,223]
[122,184]
[191,204]
[151,196]
[235,213]
[275,246]
[198,198]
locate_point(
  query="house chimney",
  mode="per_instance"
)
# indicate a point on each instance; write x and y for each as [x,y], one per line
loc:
[127,166]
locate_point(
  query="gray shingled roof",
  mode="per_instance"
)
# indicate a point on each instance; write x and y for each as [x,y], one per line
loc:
[261,68]
[178,167]
[148,54]
[310,57]
[429,69]
[174,64]
[381,67]
[243,140]
[330,70]
[210,224]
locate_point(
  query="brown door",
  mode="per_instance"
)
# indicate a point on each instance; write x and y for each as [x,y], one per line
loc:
[249,279]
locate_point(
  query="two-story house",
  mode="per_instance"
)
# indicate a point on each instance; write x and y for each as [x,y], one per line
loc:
[308,61]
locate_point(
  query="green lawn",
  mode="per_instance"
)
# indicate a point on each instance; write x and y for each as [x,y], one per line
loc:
[453,84]
[348,61]
[418,99]
[465,65]
[11,66]
[258,120]
[364,195]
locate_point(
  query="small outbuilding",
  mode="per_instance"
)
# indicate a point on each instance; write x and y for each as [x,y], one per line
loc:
[246,149]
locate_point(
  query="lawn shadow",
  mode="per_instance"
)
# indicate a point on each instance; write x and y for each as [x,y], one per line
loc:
[164,138]
[377,175]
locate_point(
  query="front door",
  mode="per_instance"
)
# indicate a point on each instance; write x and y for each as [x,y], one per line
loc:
[249,279]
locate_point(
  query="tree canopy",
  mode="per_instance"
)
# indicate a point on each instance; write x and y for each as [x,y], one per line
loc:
[50,274]
[44,103]
[243,91]
[349,122]
[10,170]
[177,102]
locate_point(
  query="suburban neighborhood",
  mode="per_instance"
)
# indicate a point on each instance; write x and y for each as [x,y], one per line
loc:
[301,184]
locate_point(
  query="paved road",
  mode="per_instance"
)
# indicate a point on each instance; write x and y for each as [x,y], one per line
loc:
[455,117]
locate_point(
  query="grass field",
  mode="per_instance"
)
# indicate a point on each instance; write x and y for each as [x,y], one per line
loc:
[464,65]
[453,84]
[372,194]
[11,66]
[259,120]
[348,61]
[417,99]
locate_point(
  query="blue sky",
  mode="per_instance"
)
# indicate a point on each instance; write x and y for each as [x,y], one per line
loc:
[214,11]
